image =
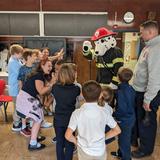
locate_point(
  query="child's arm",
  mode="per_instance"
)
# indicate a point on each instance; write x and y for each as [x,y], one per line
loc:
[72,127]
[113,132]
[70,137]
[20,83]
[42,88]
[59,55]
[79,101]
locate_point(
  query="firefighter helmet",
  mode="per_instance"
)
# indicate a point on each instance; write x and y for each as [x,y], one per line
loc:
[102,32]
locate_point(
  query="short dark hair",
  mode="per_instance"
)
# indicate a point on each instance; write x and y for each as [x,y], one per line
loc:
[27,53]
[44,48]
[125,74]
[150,24]
[91,91]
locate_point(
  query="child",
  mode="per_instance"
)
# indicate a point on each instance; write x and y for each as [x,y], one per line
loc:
[106,98]
[14,65]
[56,67]
[28,104]
[30,58]
[65,93]
[80,100]
[90,121]
[57,56]
[125,113]
[48,98]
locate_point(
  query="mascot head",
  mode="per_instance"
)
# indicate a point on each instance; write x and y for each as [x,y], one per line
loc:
[104,40]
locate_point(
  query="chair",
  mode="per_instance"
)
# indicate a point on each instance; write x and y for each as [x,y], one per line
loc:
[4,99]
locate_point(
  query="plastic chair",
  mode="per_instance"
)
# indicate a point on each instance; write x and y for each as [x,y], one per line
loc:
[4,99]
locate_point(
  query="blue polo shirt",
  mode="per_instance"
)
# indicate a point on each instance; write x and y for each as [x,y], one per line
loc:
[14,65]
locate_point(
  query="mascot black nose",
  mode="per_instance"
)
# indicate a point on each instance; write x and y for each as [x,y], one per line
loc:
[96,52]
[86,48]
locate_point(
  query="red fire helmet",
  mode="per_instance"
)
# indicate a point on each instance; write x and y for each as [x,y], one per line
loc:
[102,32]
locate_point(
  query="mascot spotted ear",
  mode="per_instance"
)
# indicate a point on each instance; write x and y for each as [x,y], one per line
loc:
[109,58]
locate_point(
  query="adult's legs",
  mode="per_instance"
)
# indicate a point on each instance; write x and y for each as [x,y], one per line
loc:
[34,145]
[135,130]
[146,133]
[35,130]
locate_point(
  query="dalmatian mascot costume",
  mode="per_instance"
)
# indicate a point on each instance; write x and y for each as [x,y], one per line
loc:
[108,57]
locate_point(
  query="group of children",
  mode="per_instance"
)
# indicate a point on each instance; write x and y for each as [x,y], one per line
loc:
[83,127]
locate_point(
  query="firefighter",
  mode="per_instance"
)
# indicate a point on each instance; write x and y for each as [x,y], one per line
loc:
[108,57]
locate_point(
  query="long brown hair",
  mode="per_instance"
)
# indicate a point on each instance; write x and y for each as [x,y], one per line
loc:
[66,74]
[107,96]
[38,69]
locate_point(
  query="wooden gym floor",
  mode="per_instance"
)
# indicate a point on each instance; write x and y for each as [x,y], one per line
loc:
[13,146]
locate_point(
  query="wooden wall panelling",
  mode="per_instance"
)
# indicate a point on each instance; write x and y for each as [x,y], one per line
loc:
[139,8]
[19,5]
[86,68]
[10,40]
[110,6]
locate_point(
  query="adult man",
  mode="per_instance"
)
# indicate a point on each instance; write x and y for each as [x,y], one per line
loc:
[146,82]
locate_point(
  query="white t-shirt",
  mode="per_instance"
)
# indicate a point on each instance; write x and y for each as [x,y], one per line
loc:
[90,120]
[108,108]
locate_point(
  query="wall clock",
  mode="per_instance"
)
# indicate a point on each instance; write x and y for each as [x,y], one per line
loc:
[128,17]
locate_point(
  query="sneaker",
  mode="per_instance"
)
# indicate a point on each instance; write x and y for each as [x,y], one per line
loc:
[46,124]
[41,138]
[38,146]
[50,113]
[116,155]
[26,132]
[139,154]
[17,128]
[54,140]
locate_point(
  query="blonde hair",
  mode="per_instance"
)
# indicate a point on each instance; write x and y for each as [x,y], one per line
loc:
[66,74]
[16,48]
[36,51]
[74,66]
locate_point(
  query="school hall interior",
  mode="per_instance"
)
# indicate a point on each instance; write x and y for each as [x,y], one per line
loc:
[57,24]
